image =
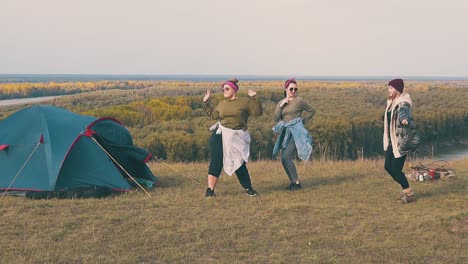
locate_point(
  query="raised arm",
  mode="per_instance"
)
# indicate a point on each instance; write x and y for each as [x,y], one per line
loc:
[255,107]
[208,108]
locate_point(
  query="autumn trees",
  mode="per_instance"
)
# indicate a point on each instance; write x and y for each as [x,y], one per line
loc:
[167,118]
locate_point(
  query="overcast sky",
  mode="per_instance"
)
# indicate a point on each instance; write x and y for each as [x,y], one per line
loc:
[238,37]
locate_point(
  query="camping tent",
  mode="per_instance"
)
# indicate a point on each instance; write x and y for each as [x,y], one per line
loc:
[46,148]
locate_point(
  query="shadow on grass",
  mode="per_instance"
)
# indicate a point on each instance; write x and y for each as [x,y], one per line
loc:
[443,188]
[336,180]
[172,181]
[317,182]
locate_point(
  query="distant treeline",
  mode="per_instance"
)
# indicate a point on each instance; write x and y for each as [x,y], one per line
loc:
[26,90]
[167,117]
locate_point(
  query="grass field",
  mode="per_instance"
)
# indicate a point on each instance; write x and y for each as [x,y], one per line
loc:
[346,213]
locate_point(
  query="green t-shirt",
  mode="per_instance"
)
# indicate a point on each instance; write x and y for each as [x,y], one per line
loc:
[294,109]
[234,114]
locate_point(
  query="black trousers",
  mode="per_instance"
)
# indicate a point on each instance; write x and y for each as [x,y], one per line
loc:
[394,167]
[216,161]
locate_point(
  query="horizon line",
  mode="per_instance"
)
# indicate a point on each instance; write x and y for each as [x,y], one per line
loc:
[244,76]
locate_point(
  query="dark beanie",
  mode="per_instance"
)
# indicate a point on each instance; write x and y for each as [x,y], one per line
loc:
[397,84]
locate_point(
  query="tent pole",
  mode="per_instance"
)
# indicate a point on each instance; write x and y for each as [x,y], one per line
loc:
[22,167]
[165,163]
[110,156]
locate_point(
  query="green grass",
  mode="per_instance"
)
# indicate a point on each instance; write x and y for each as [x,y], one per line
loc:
[346,213]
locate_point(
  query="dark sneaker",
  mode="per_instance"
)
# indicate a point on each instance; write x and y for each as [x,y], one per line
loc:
[407,198]
[209,193]
[298,186]
[251,192]
[294,186]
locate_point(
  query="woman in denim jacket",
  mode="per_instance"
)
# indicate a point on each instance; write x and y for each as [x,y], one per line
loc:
[397,118]
[293,136]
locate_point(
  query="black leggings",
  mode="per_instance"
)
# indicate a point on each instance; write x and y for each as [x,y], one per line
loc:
[394,167]
[216,161]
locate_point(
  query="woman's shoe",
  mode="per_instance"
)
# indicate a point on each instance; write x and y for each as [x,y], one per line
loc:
[404,199]
[251,192]
[407,196]
[298,186]
[210,193]
[294,186]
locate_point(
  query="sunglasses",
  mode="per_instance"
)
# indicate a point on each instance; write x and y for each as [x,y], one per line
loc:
[293,89]
[225,89]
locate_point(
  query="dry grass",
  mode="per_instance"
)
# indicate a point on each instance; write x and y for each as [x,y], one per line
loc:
[347,213]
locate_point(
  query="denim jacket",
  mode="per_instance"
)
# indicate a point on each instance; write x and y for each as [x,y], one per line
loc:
[302,138]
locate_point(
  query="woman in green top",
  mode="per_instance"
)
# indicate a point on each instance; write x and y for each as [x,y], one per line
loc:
[230,140]
[293,136]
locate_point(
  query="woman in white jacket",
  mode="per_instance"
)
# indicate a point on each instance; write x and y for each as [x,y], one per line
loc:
[397,116]
[230,139]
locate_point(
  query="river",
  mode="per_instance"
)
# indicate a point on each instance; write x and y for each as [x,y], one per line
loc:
[26,100]
[459,151]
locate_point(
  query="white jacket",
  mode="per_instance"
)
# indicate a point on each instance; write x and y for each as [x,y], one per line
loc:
[236,148]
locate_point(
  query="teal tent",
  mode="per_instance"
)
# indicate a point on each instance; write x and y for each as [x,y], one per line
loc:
[46,148]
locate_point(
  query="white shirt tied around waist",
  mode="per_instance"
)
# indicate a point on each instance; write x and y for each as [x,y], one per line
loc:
[236,147]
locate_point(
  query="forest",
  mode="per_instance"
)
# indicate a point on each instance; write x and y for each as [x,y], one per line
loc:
[166,117]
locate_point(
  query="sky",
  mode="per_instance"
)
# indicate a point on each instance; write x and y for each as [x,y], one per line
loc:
[238,37]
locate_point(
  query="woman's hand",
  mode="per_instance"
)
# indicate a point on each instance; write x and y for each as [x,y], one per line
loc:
[404,122]
[251,93]
[283,102]
[207,96]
